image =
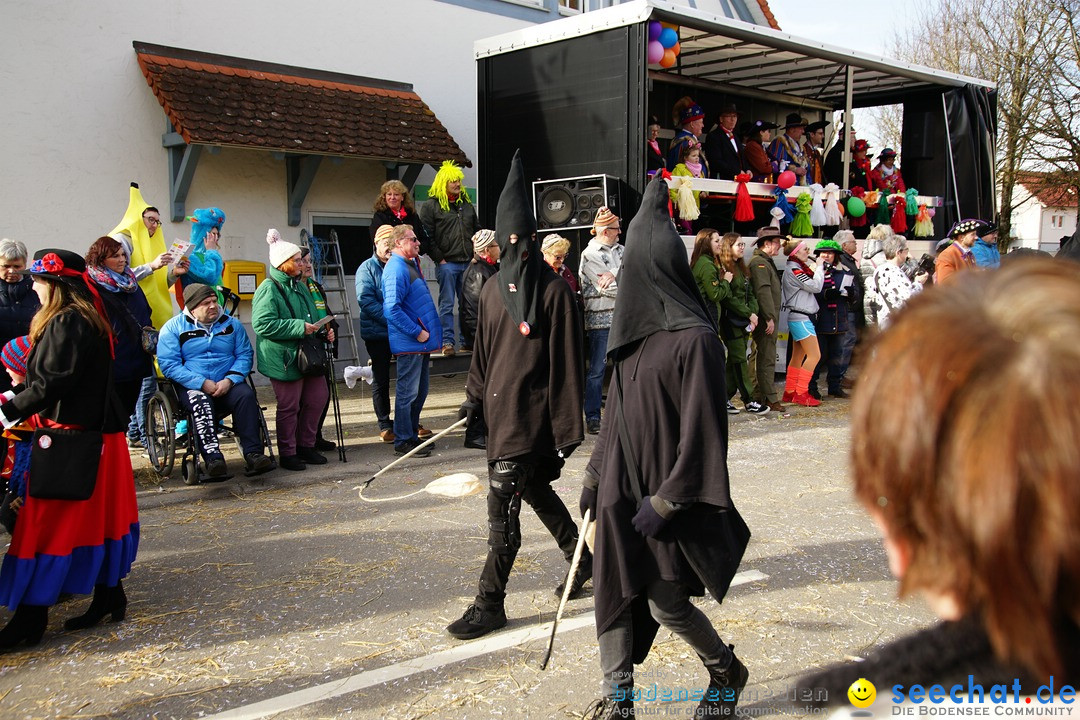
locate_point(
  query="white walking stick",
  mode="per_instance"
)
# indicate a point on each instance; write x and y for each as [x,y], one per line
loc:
[412,452]
[586,521]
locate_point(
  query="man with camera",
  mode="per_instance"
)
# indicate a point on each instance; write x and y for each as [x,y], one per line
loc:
[831,321]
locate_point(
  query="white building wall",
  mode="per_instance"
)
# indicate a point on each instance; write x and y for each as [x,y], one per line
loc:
[1026,223]
[80,122]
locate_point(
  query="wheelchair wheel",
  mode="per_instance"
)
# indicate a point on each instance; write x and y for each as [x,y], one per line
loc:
[189,468]
[161,445]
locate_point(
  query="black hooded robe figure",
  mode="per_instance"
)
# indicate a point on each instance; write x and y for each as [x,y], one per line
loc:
[670,410]
[527,378]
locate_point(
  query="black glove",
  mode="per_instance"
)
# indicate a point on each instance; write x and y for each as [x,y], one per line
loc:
[648,522]
[566,450]
[467,410]
[587,501]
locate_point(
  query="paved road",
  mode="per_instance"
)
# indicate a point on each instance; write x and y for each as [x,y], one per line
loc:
[293,598]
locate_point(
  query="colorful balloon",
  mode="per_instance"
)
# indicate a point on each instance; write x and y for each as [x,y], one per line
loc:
[668,60]
[786,179]
[677,47]
[655,51]
[856,207]
[668,38]
[655,29]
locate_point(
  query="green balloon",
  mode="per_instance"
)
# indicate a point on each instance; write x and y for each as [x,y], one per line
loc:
[856,207]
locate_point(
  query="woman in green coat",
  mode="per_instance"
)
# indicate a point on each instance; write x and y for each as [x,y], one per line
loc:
[282,314]
[738,317]
[322,309]
[712,282]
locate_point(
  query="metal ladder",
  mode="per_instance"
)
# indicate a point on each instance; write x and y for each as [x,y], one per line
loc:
[326,263]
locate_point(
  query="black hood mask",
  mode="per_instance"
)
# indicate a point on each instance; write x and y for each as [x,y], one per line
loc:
[657,290]
[519,261]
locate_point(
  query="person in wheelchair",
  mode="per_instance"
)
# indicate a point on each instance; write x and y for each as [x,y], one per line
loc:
[206,352]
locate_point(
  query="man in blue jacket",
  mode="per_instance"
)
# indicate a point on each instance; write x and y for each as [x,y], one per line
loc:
[414,330]
[207,353]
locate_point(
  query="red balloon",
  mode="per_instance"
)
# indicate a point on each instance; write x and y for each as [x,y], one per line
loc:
[785,179]
[669,59]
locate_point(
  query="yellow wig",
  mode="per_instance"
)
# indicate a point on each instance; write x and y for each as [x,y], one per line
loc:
[447,173]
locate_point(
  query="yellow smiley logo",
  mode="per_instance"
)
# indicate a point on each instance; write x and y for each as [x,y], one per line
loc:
[862,693]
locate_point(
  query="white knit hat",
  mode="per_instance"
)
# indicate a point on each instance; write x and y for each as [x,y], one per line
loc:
[482,239]
[280,250]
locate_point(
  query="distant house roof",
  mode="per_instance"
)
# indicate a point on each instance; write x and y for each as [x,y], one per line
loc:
[1048,190]
[219,100]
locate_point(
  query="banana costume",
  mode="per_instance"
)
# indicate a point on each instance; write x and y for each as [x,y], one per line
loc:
[145,249]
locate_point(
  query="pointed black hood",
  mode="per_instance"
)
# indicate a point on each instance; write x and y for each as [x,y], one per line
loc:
[519,261]
[657,291]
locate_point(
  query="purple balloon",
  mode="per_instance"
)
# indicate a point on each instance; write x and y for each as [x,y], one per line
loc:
[656,52]
[668,38]
[654,30]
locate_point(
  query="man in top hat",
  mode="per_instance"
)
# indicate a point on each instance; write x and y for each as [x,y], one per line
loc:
[886,176]
[985,248]
[526,372]
[692,123]
[958,255]
[723,149]
[815,137]
[787,150]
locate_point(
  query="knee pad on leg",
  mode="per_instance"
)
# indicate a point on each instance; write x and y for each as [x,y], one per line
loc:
[506,482]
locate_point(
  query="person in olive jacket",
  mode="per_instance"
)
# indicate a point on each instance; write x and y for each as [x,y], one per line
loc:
[738,318]
[713,284]
[765,277]
[282,314]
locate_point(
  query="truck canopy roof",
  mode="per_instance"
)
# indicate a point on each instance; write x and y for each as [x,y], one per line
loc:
[747,59]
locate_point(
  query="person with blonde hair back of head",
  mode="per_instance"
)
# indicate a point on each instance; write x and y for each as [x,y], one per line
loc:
[982,524]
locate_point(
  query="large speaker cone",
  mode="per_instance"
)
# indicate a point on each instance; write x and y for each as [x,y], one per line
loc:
[556,207]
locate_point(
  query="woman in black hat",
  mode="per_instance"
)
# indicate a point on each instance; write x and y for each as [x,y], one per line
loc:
[78,531]
[761,166]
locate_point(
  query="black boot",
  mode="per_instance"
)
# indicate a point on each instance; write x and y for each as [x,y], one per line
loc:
[724,689]
[609,709]
[477,622]
[26,625]
[107,600]
[584,572]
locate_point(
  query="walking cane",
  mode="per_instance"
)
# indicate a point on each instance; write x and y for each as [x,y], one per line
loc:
[412,452]
[567,586]
[339,432]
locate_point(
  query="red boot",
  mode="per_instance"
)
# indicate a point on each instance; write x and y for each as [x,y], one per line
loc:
[791,378]
[806,399]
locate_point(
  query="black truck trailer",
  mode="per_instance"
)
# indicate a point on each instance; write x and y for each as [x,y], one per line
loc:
[575,96]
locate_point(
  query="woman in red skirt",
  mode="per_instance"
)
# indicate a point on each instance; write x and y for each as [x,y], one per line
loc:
[63,544]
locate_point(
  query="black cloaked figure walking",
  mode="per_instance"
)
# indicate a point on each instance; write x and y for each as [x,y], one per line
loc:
[527,378]
[658,485]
